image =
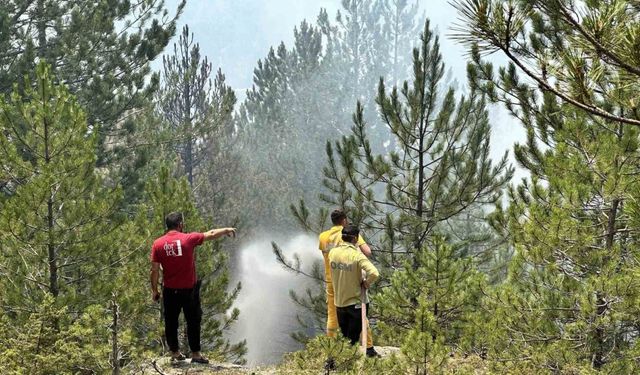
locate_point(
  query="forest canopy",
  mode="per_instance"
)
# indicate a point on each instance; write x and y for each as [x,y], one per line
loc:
[112,116]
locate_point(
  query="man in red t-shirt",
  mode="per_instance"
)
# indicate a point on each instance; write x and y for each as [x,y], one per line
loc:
[174,252]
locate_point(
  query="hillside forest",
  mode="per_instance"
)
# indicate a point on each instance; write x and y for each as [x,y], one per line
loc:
[111,117]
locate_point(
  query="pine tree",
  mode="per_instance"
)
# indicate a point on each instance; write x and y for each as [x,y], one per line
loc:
[197,112]
[584,53]
[59,222]
[65,242]
[131,318]
[571,299]
[357,30]
[442,166]
[570,302]
[426,308]
[216,195]
[477,240]
[100,50]
[399,36]
[197,124]
[376,40]
[52,342]
[441,171]
[303,96]
[283,111]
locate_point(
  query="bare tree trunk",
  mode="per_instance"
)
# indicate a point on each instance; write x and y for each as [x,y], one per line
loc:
[51,250]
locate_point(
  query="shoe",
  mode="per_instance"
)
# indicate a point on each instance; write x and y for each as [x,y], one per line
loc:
[371,353]
[330,364]
[201,360]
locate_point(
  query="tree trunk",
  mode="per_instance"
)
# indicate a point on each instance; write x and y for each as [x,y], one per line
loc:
[421,164]
[42,29]
[395,45]
[601,307]
[188,162]
[356,46]
[436,311]
[115,349]
[189,128]
[51,250]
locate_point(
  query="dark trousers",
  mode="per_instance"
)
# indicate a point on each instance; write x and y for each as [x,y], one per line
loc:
[350,322]
[188,301]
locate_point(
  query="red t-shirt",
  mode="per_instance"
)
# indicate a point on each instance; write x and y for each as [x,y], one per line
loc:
[175,252]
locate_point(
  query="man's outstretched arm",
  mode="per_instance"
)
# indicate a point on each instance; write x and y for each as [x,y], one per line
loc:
[366,250]
[216,233]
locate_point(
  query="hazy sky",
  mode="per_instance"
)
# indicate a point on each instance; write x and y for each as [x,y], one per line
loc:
[234,34]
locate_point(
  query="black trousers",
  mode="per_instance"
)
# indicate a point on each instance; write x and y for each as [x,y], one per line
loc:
[188,301]
[350,322]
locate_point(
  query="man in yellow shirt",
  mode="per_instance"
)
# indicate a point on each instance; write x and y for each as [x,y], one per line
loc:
[328,240]
[347,266]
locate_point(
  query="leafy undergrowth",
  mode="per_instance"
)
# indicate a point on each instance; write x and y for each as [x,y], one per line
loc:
[397,361]
[349,360]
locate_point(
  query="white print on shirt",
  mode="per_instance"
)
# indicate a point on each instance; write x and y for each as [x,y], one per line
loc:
[172,251]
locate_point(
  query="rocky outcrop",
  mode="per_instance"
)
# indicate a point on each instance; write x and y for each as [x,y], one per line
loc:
[387,351]
[165,366]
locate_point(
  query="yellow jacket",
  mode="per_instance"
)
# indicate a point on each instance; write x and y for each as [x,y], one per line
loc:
[328,240]
[347,264]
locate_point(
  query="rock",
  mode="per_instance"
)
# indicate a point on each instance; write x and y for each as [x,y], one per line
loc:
[387,351]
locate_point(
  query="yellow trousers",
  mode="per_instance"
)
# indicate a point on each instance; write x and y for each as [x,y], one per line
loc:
[332,317]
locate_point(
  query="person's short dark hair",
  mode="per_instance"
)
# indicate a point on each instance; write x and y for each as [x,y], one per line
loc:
[350,233]
[337,216]
[173,220]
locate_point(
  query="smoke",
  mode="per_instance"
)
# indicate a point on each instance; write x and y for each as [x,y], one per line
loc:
[267,314]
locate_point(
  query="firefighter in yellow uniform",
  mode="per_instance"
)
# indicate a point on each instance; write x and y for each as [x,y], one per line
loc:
[328,240]
[347,267]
